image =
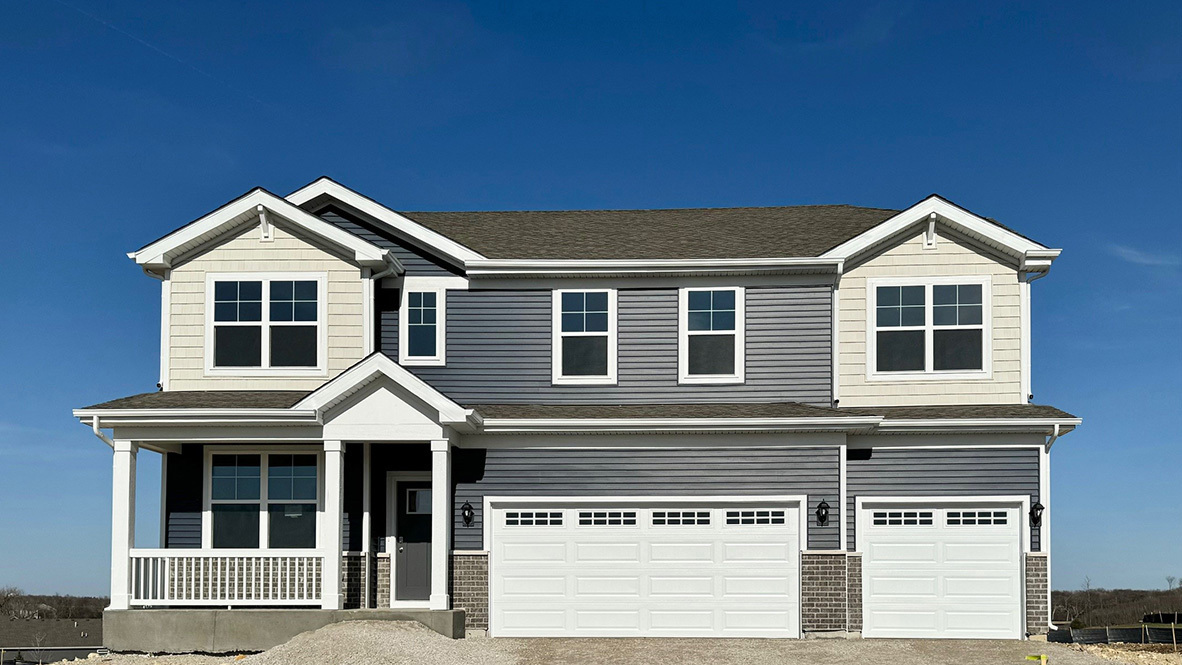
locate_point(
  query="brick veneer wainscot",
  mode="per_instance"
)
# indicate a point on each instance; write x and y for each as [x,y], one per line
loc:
[823,591]
[1037,613]
[469,587]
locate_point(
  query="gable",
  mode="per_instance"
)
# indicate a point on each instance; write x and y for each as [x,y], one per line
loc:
[382,410]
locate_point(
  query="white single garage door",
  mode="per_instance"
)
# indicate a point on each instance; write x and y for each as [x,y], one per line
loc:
[692,570]
[949,571]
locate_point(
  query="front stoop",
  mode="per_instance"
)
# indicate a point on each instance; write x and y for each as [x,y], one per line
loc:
[233,631]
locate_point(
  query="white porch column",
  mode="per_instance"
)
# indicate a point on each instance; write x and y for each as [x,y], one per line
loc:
[330,529]
[441,519]
[122,522]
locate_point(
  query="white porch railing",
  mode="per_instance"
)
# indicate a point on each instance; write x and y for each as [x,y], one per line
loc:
[225,577]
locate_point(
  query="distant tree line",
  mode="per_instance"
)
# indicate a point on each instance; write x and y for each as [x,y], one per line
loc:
[15,604]
[1113,607]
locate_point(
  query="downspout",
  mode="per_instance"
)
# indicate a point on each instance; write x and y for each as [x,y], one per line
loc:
[390,267]
[94,426]
[1053,437]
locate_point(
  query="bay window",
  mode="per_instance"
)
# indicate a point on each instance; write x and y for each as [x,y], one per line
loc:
[938,328]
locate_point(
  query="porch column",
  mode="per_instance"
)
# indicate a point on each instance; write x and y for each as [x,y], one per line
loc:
[330,530]
[122,522]
[441,519]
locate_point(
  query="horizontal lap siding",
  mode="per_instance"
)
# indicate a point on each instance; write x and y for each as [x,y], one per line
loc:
[416,262]
[498,349]
[647,472]
[942,472]
[183,497]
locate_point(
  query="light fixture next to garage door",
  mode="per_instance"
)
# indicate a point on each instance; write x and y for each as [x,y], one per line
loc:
[822,513]
[1036,514]
[467,513]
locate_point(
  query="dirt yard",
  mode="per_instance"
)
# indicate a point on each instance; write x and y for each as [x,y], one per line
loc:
[1148,654]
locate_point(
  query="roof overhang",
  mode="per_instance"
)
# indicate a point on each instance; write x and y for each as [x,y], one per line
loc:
[1045,426]
[161,254]
[535,268]
[1031,256]
[859,425]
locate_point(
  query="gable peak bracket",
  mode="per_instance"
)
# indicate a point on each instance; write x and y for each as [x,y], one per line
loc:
[265,232]
[929,236]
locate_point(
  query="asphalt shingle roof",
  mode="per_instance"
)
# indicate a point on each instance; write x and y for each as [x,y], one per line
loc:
[207,399]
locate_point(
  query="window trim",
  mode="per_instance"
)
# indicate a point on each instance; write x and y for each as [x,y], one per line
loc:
[683,335]
[556,335]
[409,285]
[264,369]
[264,453]
[928,373]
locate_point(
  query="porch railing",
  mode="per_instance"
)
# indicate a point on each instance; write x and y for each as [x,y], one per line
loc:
[225,577]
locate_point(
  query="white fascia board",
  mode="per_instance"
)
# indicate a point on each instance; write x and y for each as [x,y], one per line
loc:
[375,366]
[398,223]
[1030,253]
[519,268]
[163,251]
[985,424]
[617,425]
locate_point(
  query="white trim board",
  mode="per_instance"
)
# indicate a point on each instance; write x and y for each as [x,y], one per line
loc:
[392,480]
[557,335]
[684,334]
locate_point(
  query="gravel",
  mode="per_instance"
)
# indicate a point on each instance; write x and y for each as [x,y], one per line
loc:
[1134,654]
[391,643]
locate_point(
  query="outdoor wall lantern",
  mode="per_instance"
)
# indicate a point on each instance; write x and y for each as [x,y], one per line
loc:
[822,513]
[467,513]
[1036,514]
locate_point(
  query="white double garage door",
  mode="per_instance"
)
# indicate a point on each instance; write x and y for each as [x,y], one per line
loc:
[710,569]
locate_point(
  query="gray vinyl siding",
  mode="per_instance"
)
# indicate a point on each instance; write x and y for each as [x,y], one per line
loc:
[183,497]
[498,348]
[644,472]
[942,472]
[416,261]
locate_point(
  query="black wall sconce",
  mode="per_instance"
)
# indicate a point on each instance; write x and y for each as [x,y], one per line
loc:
[1036,514]
[467,513]
[822,513]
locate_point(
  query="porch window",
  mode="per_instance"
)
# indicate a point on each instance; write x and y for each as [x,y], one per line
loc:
[263,500]
[712,335]
[264,323]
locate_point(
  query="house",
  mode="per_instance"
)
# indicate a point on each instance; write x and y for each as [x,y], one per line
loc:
[755,422]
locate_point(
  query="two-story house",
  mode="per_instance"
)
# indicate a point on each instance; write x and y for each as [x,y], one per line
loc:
[755,422]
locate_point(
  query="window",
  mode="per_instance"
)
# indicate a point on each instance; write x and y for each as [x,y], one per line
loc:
[584,337]
[932,330]
[421,322]
[265,324]
[681,517]
[418,502]
[607,518]
[976,517]
[903,518]
[754,517]
[712,336]
[531,518]
[264,500]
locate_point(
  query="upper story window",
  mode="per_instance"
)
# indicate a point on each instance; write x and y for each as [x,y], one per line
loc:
[264,500]
[265,324]
[422,338]
[937,329]
[712,339]
[584,339]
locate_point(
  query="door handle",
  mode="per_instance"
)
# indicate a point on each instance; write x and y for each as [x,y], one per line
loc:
[401,541]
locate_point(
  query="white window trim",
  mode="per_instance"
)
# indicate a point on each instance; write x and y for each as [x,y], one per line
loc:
[321,368]
[683,334]
[264,515]
[929,374]
[556,335]
[410,284]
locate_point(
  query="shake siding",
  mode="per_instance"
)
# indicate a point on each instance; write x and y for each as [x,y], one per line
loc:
[954,256]
[498,349]
[646,472]
[947,472]
[244,252]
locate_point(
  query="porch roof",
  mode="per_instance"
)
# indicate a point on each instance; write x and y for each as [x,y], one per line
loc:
[205,399]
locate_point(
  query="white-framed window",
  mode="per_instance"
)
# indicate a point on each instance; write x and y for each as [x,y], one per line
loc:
[584,337]
[928,329]
[422,338]
[262,500]
[269,324]
[711,335]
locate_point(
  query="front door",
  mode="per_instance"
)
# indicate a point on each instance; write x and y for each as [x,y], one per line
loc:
[412,546]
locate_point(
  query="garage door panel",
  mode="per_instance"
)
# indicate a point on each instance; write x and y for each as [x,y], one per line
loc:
[670,571]
[948,572]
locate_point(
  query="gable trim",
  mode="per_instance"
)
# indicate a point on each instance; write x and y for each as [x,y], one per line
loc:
[1033,256]
[159,255]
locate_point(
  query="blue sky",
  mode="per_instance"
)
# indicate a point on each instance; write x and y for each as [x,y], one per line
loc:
[120,121]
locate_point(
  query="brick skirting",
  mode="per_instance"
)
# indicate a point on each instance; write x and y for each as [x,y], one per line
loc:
[469,587]
[1037,613]
[352,580]
[823,591]
[853,592]
[382,579]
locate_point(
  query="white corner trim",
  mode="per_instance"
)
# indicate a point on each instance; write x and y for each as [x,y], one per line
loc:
[930,374]
[801,500]
[1021,501]
[160,254]
[1024,341]
[1033,255]
[368,324]
[557,335]
[834,345]
[165,328]
[683,335]
[264,369]
[399,224]
[422,285]
[843,499]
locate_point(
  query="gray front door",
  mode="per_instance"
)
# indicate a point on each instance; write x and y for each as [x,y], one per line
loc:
[412,549]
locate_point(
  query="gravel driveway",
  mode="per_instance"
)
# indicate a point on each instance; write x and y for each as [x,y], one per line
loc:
[387,643]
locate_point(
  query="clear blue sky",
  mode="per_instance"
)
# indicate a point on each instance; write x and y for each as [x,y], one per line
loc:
[120,121]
